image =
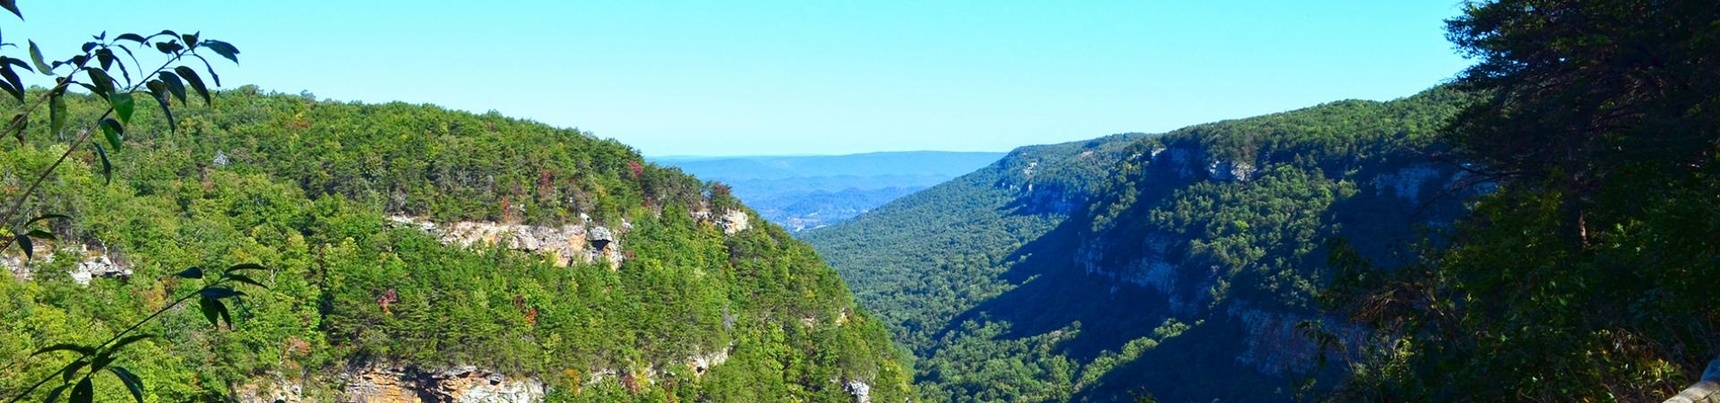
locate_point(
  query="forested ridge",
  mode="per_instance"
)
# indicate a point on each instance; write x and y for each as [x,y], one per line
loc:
[306,188]
[1539,229]
[1143,265]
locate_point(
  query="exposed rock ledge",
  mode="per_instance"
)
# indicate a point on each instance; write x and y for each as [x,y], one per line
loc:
[861,391]
[470,384]
[1706,390]
[398,384]
[731,221]
[94,263]
[564,245]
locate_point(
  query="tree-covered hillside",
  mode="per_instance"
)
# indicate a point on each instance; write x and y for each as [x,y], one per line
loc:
[1591,274]
[1177,266]
[679,292]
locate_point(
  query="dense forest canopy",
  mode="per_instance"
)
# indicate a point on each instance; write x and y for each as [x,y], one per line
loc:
[1099,270]
[308,187]
[1581,146]
[1590,274]
[1541,228]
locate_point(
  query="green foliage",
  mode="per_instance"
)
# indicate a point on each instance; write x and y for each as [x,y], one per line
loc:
[1029,280]
[304,187]
[93,359]
[1590,275]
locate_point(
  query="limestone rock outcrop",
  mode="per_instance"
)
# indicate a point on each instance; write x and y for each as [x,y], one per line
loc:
[564,245]
[93,263]
[734,221]
[379,384]
[462,384]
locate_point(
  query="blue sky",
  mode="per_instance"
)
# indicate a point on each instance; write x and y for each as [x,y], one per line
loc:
[812,77]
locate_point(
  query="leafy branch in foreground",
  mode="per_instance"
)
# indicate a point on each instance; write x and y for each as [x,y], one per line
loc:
[93,360]
[91,69]
[174,79]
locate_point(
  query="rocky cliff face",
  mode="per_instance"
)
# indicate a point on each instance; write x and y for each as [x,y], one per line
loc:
[464,385]
[92,263]
[1156,260]
[1277,345]
[564,245]
[379,384]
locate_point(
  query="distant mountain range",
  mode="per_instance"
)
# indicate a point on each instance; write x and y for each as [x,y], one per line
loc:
[805,192]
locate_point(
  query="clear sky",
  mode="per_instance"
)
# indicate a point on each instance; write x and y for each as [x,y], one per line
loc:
[811,77]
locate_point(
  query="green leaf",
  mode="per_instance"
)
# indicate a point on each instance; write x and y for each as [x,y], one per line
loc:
[207,305]
[47,217]
[14,81]
[247,280]
[11,5]
[71,370]
[36,58]
[128,340]
[190,76]
[112,129]
[10,89]
[225,315]
[101,361]
[245,266]
[56,112]
[174,85]
[224,49]
[104,58]
[209,68]
[102,82]
[123,105]
[194,272]
[40,234]
[79,348]
[220,292]
[133,384]
[21,122]
[84,392]
[107,166]
[55,395]
[107,59]
[157,91]
[130,37]
[15,62]
[25,244]
[128,53]
[168,47]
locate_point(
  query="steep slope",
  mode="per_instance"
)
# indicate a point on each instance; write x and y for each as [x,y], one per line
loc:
[803,192]
[1176,265]
[420,252]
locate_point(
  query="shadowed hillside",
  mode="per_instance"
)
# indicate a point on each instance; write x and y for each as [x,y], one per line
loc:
[1176,265]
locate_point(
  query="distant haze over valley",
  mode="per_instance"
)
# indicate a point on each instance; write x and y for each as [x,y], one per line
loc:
[805,192]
